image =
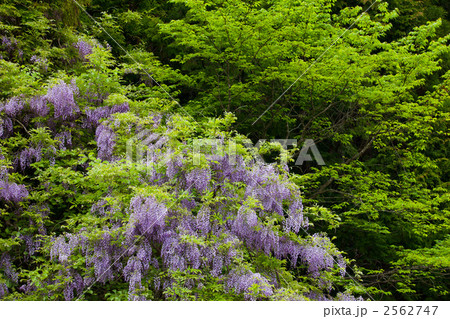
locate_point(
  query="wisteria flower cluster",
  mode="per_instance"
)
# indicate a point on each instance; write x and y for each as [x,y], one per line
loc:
[40,61]
[12,191]
[84,48]
[10,46]
[160,225]
[62,97]
[41,126]
[252,207]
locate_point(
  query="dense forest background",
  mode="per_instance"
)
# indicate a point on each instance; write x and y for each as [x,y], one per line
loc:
[368,82]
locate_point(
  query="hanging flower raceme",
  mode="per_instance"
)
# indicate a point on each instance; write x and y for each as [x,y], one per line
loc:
[12,192]
[65,139]
[13,106]
[29,155]
[6,127]
[198,179]
[317,258]
[94,116]
[147,215]
[38,105]
[105,138]
[62,98]
[252,285]
[295,221]
[84,49]
[41,62]
[74,285]
[11,46]
[7,267]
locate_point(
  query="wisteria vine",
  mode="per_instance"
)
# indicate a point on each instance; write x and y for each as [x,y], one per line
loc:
[194,226]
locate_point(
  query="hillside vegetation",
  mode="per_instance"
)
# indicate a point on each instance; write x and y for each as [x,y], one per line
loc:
[128,165]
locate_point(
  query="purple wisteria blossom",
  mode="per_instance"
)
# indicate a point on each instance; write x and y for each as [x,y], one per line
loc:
[289,249]
[133,272]
[226,170]
[342,265]
[144,254]
[256,235]
[193,255]
[172,253]
[105,138]
[264,184]
[6,42]
[347,297]
[29,155]
[13,106]
[6,127]
[38,105]
[189,204]
[217,265]
[94,116]
[12,192]
[317,296]
[31,244]
[84,49]
[3,169]
[244,225]
[3,290]
[120,108]
[41,62]
[102,256]
[62,97]
[203,220]
[99,207]
[60,249]
[174,165]
[7,267]
[65,139]
[249,208]
[74,284]
[198,179]
[316,256]
[10,45]
[147,215]
[252,285]
[295,220]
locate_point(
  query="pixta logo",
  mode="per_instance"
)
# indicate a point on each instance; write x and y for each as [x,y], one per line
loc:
[304,156]
[308,153]
[138,146]
[145,146]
